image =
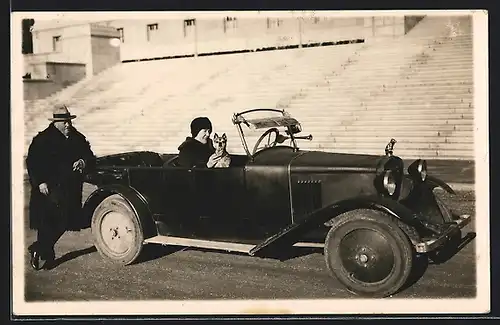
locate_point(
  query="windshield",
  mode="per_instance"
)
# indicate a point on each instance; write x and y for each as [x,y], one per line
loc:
[265,128]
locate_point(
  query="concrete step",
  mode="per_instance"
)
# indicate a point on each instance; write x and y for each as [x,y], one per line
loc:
[326,72]
[430,133]
[403,153]
[434,83]
[362,145]
[409,84]
[389,49]
[377,127]
[399,90]
[390,71]
[401,141]
[414,103]
[389,74]
[311,113]
[401,119]
[372,81]
[447,60]
[407,123]
[337,94]
[337,88]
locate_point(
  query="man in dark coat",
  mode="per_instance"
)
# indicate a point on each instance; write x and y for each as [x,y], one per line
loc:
[196,150]
[57,159]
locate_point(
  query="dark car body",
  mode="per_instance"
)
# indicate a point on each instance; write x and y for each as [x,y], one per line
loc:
[274,197]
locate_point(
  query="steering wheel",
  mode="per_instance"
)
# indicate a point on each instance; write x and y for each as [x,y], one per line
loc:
[269,142]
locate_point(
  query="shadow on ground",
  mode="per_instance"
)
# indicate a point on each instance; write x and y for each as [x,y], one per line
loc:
[153,252]
[288,252]
[72,255]
[422,261]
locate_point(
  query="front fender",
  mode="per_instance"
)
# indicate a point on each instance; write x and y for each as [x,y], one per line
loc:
[398,211]
[138,203]
[291,234]
[431,182]
[434,182]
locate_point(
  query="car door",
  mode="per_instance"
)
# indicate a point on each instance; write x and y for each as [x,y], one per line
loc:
[223,212]
[170,197]
[179,202]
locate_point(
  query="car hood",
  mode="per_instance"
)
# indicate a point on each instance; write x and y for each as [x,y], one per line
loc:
[310,161]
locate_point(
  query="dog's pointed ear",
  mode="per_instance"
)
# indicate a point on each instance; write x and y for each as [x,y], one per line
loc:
[216,136]
[224,136]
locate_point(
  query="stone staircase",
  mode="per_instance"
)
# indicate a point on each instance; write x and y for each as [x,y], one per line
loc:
[417,89]
[242,81]
[106,100]
[352,98]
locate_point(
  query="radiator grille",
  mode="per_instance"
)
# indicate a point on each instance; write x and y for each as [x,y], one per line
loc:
[306,196]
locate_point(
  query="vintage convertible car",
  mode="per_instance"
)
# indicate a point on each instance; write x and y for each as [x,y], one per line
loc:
[371,216]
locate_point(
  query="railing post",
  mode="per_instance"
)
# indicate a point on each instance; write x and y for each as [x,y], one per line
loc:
[393,26]
[195,38]
[300,32]
[373,25]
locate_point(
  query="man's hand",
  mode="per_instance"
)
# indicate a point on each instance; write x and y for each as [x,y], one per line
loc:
[44,189]
[79,165]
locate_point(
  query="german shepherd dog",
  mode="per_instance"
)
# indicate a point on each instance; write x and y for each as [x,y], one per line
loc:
[221,154]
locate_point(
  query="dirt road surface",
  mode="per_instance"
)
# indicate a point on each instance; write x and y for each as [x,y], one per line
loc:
[180,273]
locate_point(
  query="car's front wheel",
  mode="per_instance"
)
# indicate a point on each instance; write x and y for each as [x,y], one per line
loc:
[116,230]
[368,253]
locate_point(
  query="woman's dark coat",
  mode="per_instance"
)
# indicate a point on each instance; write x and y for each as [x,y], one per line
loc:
[193,153]
[50,160]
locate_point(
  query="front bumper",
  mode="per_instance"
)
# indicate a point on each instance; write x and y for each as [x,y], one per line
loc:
[429,245]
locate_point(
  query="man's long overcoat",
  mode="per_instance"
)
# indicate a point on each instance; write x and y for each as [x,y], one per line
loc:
[50,160]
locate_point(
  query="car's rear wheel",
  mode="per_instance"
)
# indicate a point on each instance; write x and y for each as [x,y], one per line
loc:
[116,230]
[368,253]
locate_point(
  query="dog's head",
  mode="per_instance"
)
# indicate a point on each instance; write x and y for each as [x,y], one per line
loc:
[220,142]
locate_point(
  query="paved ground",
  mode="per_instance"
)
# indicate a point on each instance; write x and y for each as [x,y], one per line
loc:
[175,273]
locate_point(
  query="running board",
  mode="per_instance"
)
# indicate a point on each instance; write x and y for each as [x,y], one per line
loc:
[217,245]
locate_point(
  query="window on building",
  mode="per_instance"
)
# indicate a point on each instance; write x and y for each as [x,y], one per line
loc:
[387,21]
[230,23]
[274,22]
[56,43]
[188,26]
[151,31]
[122,35]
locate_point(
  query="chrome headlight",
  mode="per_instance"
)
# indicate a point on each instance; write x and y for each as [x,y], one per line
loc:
[389,182]
[418,170]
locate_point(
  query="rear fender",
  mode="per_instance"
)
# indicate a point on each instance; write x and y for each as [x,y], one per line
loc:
[133,197]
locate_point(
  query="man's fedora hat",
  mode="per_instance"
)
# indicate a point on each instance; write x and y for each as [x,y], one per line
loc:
[61,113]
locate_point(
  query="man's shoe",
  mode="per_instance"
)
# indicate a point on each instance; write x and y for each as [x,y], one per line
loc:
[35,260]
